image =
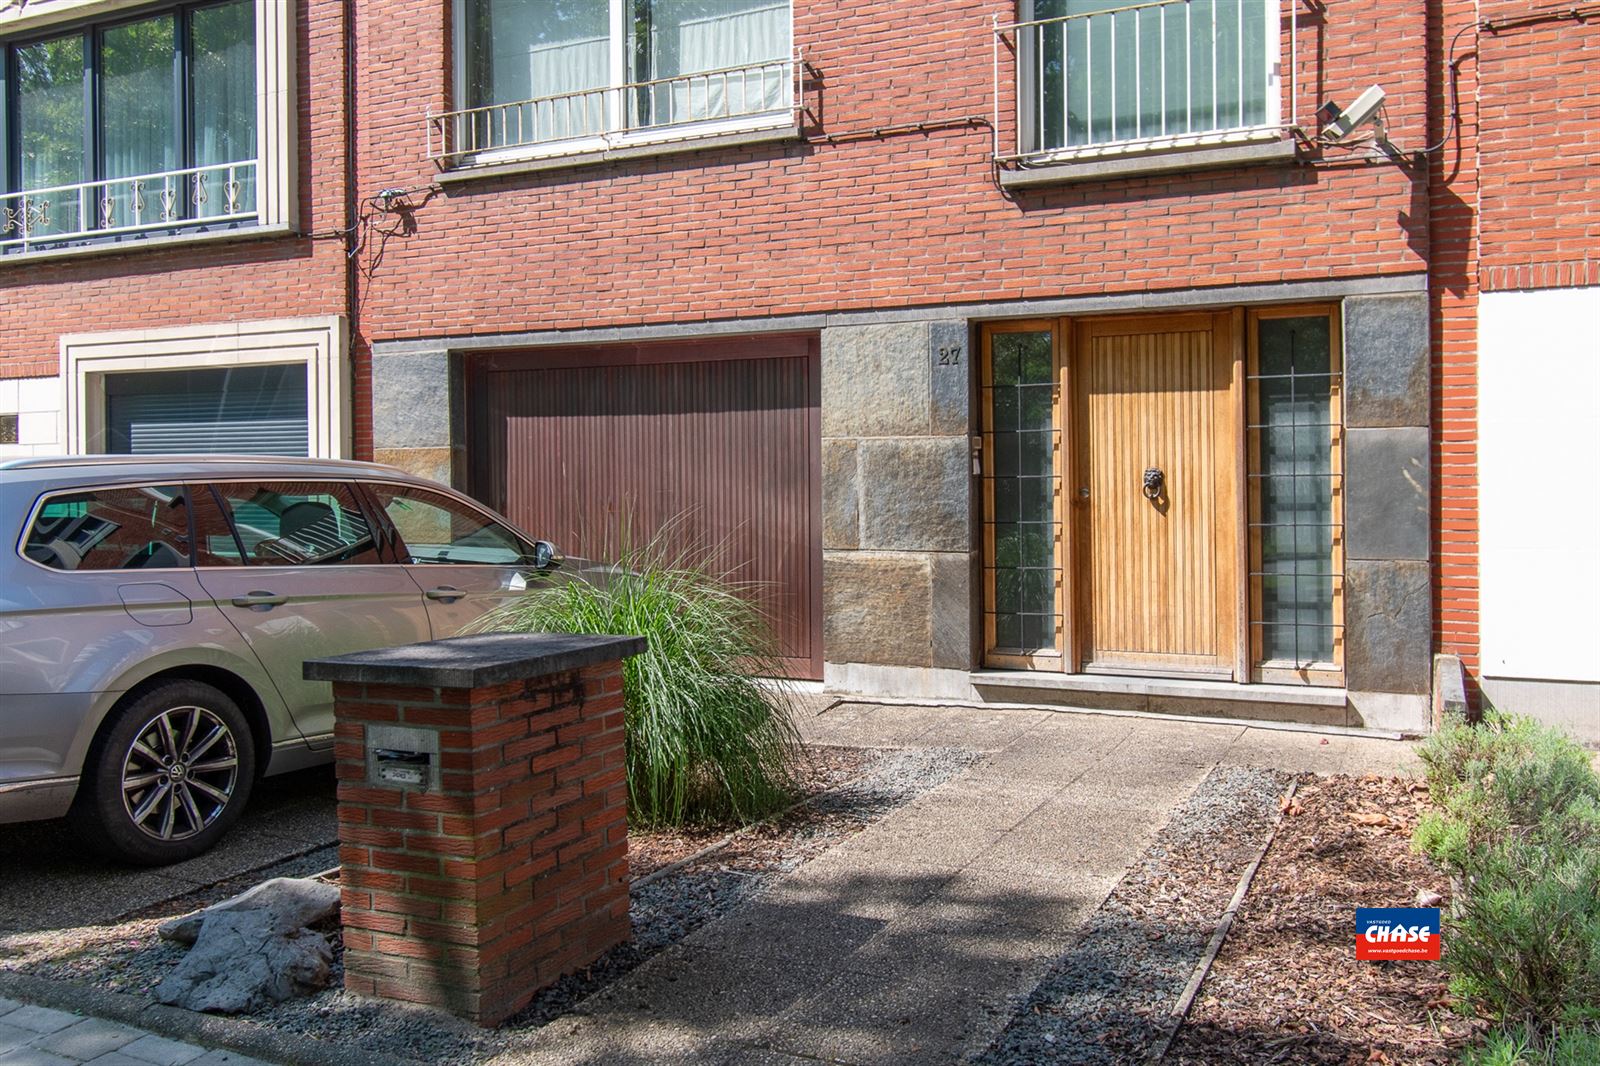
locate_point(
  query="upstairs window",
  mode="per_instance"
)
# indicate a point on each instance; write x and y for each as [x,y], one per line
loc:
[133,126]
[570,75]
[1098,74]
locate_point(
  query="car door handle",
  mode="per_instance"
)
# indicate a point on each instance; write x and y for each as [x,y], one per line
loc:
[445,593]
[263,600]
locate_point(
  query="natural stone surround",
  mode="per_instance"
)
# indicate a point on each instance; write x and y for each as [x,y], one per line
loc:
[1387,474]
[897,494]
[1387,369]
[419,413]
[1388,626]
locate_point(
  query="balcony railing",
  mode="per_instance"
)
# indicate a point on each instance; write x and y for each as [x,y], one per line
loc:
[1142,73]
[208,195]
[619,113]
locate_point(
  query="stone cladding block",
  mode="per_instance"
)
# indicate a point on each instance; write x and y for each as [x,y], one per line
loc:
[474,895]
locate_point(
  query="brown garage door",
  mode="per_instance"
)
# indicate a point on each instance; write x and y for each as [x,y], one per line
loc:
[718,441]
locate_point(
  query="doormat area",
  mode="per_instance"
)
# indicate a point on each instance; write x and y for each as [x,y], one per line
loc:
[1109,998]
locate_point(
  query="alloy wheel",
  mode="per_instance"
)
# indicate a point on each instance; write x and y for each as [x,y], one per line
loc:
[179,773]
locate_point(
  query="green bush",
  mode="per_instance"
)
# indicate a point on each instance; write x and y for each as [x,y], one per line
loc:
[706,741]
[1564,1046]
[1516,822]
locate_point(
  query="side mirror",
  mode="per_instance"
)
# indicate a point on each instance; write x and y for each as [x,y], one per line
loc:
[547,556]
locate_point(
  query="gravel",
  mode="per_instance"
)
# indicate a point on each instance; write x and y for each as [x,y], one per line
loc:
[1109,998]
[129,957]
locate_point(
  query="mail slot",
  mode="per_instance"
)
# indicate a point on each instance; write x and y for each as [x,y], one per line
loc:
[401,757]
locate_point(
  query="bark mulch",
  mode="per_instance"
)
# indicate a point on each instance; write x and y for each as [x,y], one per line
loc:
[1286,987]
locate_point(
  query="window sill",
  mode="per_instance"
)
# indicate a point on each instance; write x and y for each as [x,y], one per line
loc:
[534,164]
[139,245]
[1107,167]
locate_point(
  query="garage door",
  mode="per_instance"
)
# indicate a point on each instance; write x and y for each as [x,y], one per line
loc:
[716,442]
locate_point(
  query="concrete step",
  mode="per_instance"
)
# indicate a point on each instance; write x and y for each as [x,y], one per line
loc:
[1305,705]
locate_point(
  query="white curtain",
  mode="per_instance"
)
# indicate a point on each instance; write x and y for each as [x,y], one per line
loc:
[224,64]
[50,121]
[139,123]
[688,37]
[564,71]
[1116,72]
[518,53]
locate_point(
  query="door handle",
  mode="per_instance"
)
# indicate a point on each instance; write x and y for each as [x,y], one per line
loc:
[262,600]
[445,593]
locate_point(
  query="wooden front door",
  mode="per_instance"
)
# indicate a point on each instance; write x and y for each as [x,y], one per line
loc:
[1155,490]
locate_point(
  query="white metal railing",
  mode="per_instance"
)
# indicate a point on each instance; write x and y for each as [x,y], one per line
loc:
[219,192]
[615,112]
[1143,72]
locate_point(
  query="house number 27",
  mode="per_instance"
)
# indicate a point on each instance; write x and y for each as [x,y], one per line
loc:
[950,356]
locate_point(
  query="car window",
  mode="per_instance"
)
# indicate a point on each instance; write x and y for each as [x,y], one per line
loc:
[141,528]
[298,523]
[214,542]
[438,529]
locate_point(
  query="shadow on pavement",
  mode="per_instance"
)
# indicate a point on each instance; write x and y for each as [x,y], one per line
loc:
[48,880]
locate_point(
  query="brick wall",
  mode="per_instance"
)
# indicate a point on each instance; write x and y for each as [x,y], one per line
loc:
[1453,294]
[868,222]
[220,281]
[514,871]
[1538,85]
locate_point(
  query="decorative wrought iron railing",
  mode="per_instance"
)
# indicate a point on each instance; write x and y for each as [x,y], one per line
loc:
[616,112]
[1143,72]
[206,195]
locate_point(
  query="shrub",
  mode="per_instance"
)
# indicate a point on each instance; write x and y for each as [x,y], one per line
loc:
[1517,825]
[706,741]
[1565,1046]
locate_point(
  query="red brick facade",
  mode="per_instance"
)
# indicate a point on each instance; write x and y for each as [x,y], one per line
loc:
[514,871]
[866,221]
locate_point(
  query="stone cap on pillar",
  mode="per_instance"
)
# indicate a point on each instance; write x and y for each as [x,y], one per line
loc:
[474,661]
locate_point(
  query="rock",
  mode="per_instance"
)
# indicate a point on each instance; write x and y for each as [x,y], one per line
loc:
[1426,898]
[292,901]
[244,960]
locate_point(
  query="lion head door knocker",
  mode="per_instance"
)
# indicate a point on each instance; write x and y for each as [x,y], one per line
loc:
[1155,484]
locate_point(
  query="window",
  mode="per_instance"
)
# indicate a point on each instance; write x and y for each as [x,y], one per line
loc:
[1296,499]
[144,528]
[299,524]
[253,410]
[561,72]
[132,127]
[1093,73]
[437,529]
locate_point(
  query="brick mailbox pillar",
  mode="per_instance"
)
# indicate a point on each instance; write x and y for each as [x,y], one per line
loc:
[482,815]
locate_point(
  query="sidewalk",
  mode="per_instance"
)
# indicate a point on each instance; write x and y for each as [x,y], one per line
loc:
[41,1036]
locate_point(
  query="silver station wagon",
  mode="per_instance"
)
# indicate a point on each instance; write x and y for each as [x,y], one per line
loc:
[155,612]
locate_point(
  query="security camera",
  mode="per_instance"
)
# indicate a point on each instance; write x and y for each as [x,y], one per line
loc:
[1343,123]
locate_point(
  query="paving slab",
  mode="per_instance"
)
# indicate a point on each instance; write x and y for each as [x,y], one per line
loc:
[13,1037]
[41,1019]
[92,1038]
[159,1051]
[32,1056]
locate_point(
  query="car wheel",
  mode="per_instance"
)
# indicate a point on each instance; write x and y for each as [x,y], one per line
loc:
[168,775]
